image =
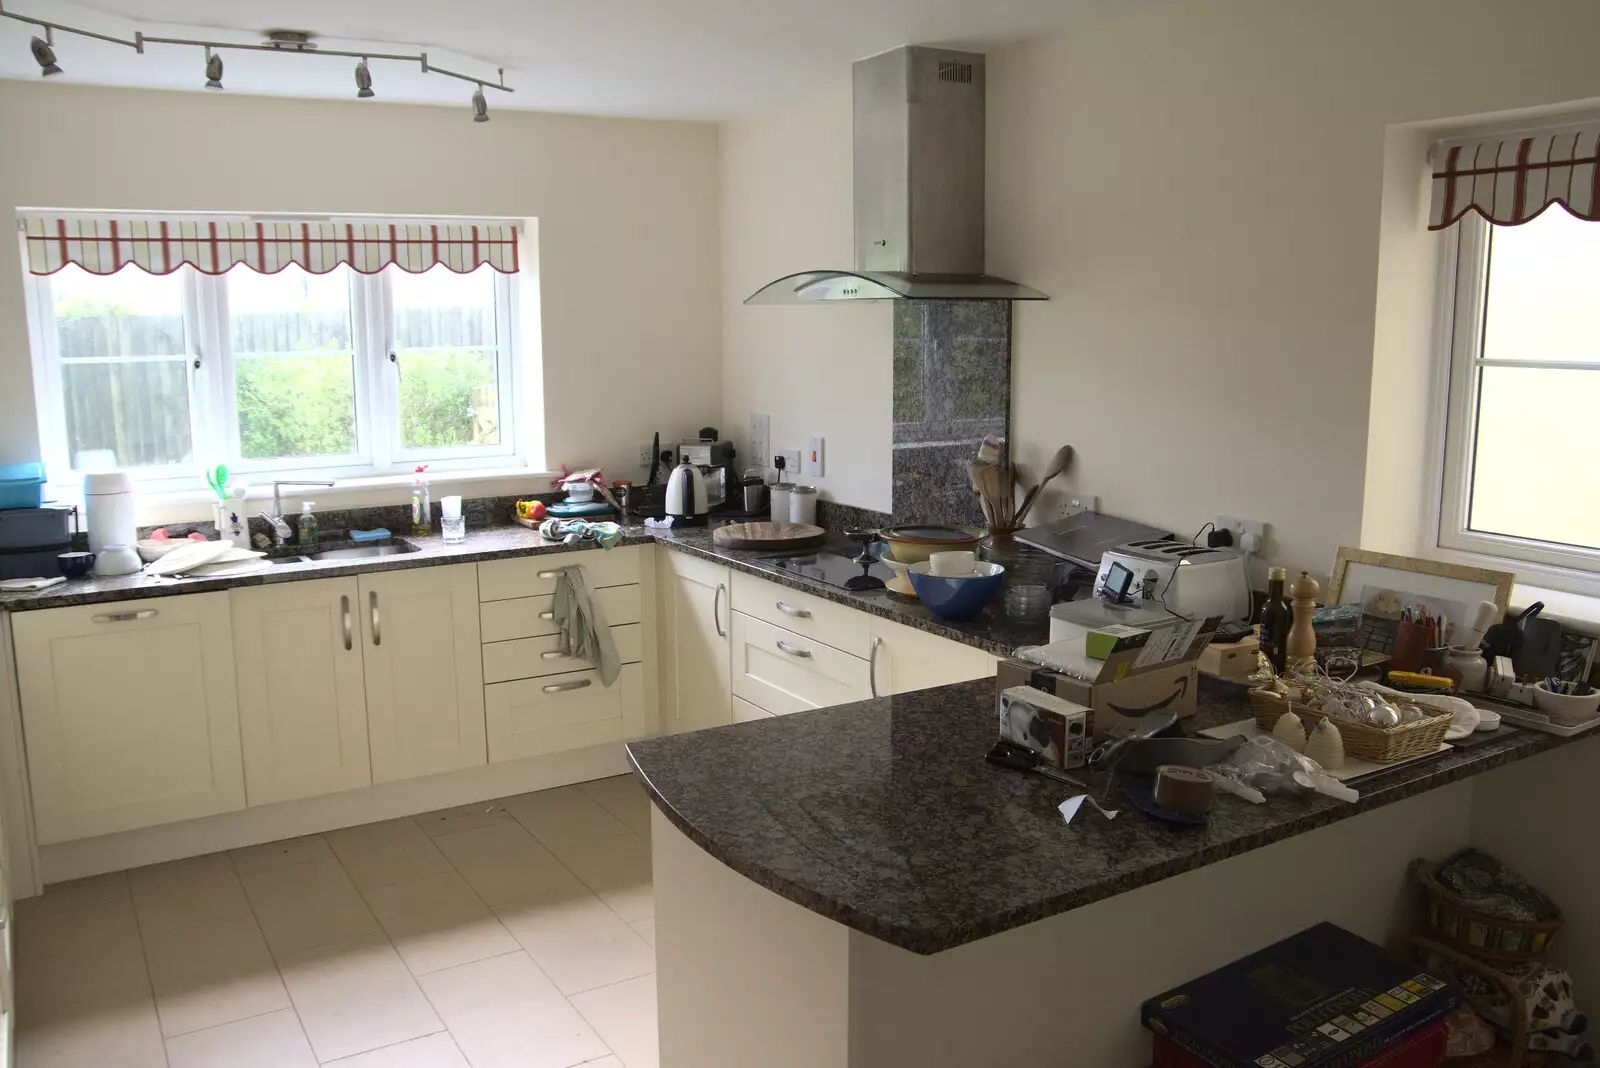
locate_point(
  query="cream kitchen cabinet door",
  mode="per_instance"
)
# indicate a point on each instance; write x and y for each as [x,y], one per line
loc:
[130,714]
[906,659]
[696,644]
[302,693]
[424,670]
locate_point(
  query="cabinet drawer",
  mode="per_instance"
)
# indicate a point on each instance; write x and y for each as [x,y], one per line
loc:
[530,617]
[805,614]
[530,576]
[781,672]
[559,712]
[745,712]
[528,658]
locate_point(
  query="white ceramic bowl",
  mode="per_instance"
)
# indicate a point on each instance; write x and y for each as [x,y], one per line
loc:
[1565,708]
[958,563]
[150,549]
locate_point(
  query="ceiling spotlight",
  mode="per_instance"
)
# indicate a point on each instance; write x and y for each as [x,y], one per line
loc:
[480,106]
[363,81]
[213,70]
[45,55]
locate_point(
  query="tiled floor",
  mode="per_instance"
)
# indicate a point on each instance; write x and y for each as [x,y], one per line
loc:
[512,932]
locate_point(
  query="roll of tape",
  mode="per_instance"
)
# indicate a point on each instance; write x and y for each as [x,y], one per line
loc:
[1184,789]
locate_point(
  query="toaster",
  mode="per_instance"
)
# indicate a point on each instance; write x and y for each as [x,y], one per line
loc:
[1187,580]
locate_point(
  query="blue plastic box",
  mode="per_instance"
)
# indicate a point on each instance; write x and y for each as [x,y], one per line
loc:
[21,485]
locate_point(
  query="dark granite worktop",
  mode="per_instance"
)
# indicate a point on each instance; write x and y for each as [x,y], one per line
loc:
[883,815]
[991,631]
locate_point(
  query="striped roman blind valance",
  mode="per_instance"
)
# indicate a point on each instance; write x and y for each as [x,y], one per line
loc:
[1510,178]
[104,244]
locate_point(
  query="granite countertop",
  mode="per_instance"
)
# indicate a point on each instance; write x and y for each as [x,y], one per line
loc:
[991,631]
[883,815]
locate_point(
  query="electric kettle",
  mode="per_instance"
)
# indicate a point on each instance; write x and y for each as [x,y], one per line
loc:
[687,501]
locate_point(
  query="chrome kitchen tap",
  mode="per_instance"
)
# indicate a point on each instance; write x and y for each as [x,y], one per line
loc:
[274,518]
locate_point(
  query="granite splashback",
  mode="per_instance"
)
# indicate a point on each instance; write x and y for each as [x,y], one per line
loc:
[952,385]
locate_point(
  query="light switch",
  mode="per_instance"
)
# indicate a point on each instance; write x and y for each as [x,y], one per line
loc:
[813,460]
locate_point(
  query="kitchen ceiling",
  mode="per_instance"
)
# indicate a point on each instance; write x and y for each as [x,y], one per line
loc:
[692,59]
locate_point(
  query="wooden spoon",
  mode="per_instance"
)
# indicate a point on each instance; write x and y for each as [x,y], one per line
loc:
[1062,460]
[975,469]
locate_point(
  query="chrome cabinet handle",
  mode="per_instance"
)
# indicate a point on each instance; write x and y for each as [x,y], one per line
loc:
[791,610]
[549,574]
[564,687]
[126,617]
[372,605]
[555,654]
[547,615]
[785,647]
[344,607]
[872,666]
[716,610]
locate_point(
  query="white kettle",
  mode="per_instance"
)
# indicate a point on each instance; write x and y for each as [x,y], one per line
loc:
[687,500]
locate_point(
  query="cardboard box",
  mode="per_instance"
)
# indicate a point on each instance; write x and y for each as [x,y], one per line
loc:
[1053,727]
[1153,671]
[1101,642]
[1230,660]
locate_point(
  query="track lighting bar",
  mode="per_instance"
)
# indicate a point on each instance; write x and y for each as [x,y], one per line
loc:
[304,47]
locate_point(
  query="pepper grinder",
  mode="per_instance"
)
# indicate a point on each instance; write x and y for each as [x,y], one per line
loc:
[1301,644]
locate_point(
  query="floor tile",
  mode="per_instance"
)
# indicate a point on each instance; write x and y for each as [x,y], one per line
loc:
[76,894]
[308,905]
[505,1012]
[563,816]
[438,922]
[504,863]
[356,996]
[579,942]
[73,956]
[271,855]
[464,818]
[212,974]
[618,869]
[393,851]
[634,812]
[186,893]
[646,929]
[433,1051]
[624,1015]
[274,1040]
[616,788]
[114,1031]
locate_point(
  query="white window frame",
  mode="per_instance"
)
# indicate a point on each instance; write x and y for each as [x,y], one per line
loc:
[214,418]
[1463,291]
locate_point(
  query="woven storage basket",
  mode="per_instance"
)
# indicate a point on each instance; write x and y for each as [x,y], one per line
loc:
[1368,743]
[1455,923]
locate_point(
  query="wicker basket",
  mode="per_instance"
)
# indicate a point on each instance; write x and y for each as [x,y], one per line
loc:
[1367,743]
[1455,923]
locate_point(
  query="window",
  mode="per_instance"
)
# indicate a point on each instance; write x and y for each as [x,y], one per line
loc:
[337,374]
[1520,477]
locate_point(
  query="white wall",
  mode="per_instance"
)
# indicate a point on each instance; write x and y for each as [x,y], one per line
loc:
[1198,188]
[627,222]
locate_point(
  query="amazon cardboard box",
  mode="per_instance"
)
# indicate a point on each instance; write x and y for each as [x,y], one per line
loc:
[1147,672]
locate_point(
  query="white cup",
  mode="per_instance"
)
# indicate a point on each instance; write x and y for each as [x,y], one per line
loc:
[953,564]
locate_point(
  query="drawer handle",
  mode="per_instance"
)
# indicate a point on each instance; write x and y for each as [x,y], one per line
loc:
[126,617]
[344,606]
[549,574]
[555,654]
[716,609]
[547,616]
[377,628]
[565,687]
[872,666]
[791,610]
[785,647]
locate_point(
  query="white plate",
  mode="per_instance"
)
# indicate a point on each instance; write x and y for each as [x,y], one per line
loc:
[187,557]
[225,568]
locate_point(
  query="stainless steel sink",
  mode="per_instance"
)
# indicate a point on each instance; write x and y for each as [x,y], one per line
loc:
[364,552]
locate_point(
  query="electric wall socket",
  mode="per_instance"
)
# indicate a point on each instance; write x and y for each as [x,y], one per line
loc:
[645,456]
[1241,527]
[792,463]
[1080,502]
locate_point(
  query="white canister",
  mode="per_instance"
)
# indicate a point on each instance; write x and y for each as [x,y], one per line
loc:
[780,502]
[108,509]
[803,504]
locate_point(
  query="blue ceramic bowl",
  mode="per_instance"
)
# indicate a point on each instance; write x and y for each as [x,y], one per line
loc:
[956,599]
[75,565]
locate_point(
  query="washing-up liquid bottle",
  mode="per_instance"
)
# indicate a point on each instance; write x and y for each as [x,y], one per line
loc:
[421,509]
[307,534]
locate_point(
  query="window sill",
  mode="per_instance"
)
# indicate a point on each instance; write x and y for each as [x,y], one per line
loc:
[192,506]
[1576,610]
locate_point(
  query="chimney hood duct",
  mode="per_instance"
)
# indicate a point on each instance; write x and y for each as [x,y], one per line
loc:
[919,156]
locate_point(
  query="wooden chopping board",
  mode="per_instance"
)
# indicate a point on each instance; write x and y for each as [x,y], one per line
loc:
[768,536]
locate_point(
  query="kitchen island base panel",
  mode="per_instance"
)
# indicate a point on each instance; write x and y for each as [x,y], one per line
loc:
[740,969]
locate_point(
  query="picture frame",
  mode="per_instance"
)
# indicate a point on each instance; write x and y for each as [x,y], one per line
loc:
[1354,569]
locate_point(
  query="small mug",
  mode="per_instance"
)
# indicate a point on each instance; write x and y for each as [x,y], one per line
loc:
[958,564]
[75,564]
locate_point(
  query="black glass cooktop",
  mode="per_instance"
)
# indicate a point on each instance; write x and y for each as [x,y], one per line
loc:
[836,569]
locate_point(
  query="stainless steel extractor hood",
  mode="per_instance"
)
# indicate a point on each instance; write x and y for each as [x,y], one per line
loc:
[919,153]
